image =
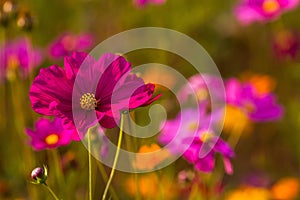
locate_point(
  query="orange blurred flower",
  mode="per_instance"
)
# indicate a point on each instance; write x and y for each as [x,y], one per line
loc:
[150,187]
[286,189]
[150,157]
[235,120]
[249,193]
[263,84]
[160,77]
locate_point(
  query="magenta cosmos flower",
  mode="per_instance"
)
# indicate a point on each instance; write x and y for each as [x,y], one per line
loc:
[257,106]
[207,140]
[186,125]
[18,57]
[249,11]
[91,100]
[49,134]
[203,87]
[67,43]
[197,142]
[143,3]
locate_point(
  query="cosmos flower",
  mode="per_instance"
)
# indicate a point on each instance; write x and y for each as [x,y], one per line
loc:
[186,135]
[286,43]
[148,186]
[198,85]
[147,161]
[186,125]
[93,101]
[49,134]
[68,43]
[286,188]
[248,193]
[18,57]
[249,11]
[263,84]
[256,105]
[143,3]
[207,140]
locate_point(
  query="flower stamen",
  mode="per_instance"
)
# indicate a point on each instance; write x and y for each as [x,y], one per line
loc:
[88,101]
[52,139]
[271,6]
[206,136]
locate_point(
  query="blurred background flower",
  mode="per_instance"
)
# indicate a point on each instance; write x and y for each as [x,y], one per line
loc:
[143,3]
[49,134]
[286,43]
[263,10]
[18,58]
[67,43]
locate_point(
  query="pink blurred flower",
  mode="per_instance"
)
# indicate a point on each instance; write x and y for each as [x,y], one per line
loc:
[68,43]
[207,140]
[257,106]
[49,134]
[190,138]
[143,3]
[286,44]
[91,100]
[249,11]
[18,57]
[198,86]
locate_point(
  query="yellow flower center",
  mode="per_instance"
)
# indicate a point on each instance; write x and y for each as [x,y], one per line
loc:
[69,42]
[249,107]
[88,101]
[201,94]
[193,126]
[52,139]
[270,6]
[13,62]
[12,65]
[205,136]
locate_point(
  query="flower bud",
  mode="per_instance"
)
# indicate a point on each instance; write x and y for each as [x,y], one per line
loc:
[39,175]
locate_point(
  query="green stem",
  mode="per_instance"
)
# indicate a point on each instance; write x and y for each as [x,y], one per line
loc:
[103,173]
[51,191]
[58,169]
[115,159]
[90,164]
[133,148]
[105,178]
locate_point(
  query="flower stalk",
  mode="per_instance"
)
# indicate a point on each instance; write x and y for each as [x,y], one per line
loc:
[90,164]
[51,191]
[115,159]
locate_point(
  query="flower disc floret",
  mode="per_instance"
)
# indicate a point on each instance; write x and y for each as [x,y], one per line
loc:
[88,101]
